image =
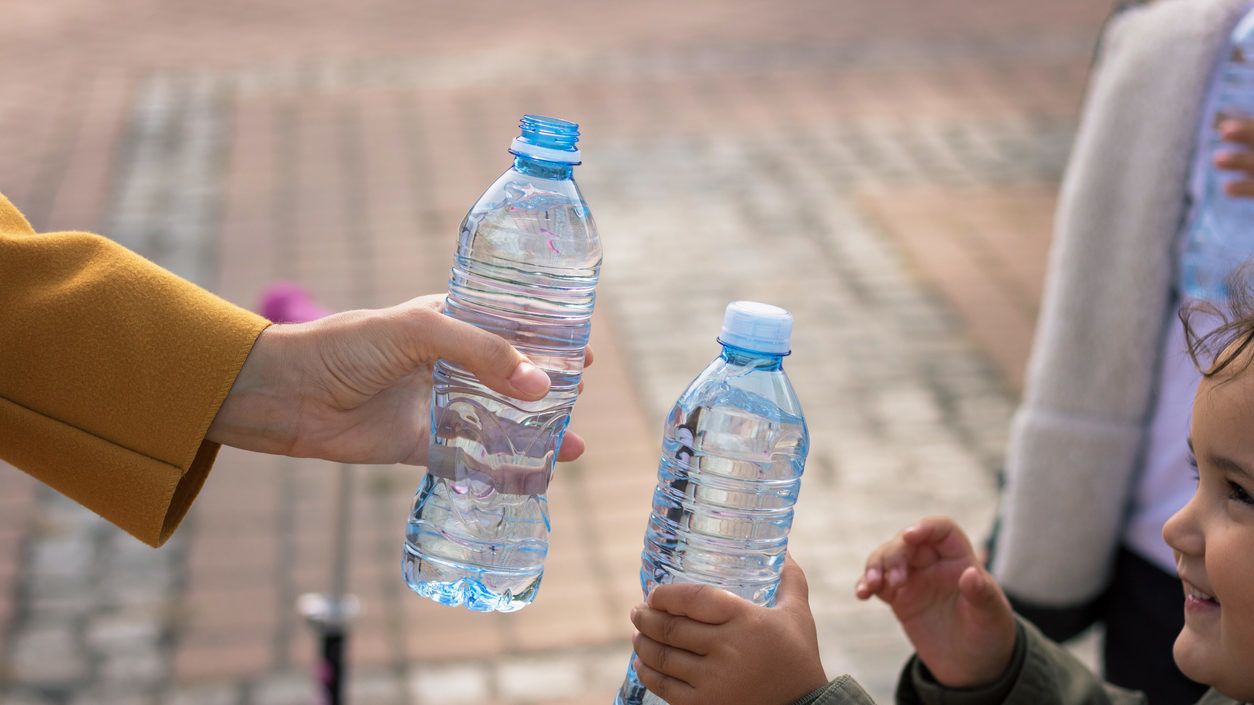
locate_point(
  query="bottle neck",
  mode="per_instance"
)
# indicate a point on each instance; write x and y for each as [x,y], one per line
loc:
[733,355]
[542,169]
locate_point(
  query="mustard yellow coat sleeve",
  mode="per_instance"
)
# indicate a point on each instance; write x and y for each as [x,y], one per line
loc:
[111,370]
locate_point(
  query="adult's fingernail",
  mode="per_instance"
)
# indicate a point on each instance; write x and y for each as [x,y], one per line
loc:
[873,575]
[529,379]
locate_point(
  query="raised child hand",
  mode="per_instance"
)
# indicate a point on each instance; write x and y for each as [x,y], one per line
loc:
[950,607]
[1240,133]
[699,645]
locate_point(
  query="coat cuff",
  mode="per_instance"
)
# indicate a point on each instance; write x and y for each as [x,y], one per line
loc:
[841,691]
[917,684]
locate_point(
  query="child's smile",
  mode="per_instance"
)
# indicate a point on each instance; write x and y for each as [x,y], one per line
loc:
[1197,601]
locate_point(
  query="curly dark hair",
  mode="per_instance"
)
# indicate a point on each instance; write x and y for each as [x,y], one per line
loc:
[1217,350]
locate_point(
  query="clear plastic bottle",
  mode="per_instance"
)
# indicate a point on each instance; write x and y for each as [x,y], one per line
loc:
[527,264]
[733,451]
[1219,236]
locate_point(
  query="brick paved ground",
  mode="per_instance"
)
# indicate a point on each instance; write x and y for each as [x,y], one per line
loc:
[884,170]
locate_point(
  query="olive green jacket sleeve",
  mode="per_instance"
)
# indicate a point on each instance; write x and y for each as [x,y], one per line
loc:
[1040,673]
[111,370]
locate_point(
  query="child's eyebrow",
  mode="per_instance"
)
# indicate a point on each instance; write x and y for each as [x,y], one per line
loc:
[1225,463]
[1231,466]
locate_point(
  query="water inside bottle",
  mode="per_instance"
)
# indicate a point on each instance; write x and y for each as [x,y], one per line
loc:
[526,270]
[733,452]
[723,506]
[453,548]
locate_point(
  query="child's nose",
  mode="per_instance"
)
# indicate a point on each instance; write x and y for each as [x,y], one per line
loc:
[1181,531]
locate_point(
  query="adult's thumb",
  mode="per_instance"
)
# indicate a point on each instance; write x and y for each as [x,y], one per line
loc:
[793,588]
[487,356]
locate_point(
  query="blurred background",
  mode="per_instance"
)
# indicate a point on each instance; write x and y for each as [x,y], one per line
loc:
[885,170]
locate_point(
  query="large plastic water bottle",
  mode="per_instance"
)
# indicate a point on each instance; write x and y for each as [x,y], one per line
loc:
[1220,234]
[526,268]
[733,450]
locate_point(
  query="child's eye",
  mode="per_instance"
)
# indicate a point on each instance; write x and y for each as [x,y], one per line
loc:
[1192,460]
[1238,493]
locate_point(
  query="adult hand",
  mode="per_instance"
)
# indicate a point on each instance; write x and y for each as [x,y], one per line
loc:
[951,609]
[355,386]
[1239,132]
[699,644]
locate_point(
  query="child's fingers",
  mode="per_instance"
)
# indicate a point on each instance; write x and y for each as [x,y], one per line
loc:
[672,630]
[941,535]
[919,546]
[1235,161]
[872,576]
[672,690]
[794,590]
[703,603]
[883,569]
[1241,188]
[980,589]
[667,660]
[1237,130]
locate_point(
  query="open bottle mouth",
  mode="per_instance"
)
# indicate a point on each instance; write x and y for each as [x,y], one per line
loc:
[547,138]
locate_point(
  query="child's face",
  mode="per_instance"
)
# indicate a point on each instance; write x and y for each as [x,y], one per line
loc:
[1213,539]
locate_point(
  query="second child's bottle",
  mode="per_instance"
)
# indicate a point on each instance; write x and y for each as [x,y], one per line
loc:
[733,450]
[1219,237]
[527,264]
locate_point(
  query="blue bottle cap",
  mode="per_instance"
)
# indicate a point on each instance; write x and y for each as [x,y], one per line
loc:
[757,327]
[548,139]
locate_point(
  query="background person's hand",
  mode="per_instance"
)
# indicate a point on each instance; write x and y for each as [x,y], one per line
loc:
[1240,133]
[950,607]
[356,386]
[698,644]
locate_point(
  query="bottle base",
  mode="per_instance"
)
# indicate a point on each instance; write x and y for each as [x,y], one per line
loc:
[468,592]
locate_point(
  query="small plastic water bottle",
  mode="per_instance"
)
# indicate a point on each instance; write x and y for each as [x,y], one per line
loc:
[527,264]
[733,450]
[1219,237]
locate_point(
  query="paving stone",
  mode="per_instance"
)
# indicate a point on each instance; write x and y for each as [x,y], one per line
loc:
[66,557]
[121,633]
[48,656]
[114,695]
[539,680]
[285,689]
[139,668]
[607,669]
[21,698]
[204,695]
[366,688]
[454,685]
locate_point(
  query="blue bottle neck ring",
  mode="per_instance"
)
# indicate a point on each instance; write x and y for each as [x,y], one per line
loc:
[735,355]
[542,169]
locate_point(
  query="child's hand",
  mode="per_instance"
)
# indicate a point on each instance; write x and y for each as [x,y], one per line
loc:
[699,645]
[951,609]
[1240,132]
